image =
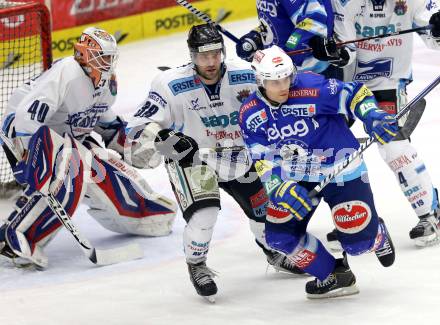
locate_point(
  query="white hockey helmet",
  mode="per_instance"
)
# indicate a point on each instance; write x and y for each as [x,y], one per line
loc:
[272,64]
[97,52]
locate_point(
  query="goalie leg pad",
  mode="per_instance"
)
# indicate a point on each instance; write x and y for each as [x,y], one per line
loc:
[412,175]
[122,201]
[32,224]
[198,233]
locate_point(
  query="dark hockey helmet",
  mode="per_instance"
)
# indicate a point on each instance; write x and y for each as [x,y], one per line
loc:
[203,38]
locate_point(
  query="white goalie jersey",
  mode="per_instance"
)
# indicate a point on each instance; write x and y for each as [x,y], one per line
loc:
[179,100]
[382,63]
[52,100]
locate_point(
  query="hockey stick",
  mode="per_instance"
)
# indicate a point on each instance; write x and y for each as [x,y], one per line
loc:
[206,18]
[97,256]
[341,166]
[406,31]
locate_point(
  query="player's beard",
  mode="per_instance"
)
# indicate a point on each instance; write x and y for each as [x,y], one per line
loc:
[209,73]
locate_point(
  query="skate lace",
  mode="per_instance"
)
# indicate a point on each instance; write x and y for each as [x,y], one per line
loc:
[328,280]
[203,274]
[428,223]
[385,249]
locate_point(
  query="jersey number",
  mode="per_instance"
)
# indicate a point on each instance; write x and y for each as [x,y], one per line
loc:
[147,110]
[38,110]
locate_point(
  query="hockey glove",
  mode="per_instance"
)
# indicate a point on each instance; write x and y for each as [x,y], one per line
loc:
[143,153]
[435,22]
[294,198]
[325,49]
[176,145]
[381,125]
[248,44]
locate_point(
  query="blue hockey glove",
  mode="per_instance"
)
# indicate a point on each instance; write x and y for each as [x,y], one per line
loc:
[175,145]
[381,125]
[248,44]
[293,198]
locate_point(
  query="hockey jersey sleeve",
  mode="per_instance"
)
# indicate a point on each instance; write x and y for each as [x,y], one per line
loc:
[344,24]
[39,104]
[156,108]
[310,18]
[424,9]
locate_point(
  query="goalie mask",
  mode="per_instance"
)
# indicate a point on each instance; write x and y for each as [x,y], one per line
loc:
[96,51]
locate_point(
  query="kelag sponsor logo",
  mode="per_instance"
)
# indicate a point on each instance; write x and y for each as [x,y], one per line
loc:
[366,71]
[299,128]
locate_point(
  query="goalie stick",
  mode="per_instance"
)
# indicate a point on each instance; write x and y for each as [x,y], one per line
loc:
[97,256]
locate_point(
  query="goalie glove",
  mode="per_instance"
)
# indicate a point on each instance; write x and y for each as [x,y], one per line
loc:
[176,145]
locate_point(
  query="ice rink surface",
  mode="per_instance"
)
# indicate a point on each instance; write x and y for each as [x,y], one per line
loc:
[157,290]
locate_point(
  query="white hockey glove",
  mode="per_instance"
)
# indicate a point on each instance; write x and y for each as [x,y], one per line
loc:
[143,154]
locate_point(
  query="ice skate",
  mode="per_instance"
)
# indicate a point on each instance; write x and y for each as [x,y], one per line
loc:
[427,231]
[341,282]
[385,251]
[333,243]
[201,277]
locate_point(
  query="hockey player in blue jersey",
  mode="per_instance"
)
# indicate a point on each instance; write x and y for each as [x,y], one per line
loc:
[295,128]
[295,25]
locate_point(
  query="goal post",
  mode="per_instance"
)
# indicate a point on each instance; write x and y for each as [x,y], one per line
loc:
[25,52]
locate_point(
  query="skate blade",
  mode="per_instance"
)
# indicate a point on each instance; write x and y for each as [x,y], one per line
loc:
[341,292]
[427,241]
[283,271]
[334,246]
[210,299]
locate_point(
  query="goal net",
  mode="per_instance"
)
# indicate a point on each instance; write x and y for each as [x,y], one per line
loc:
[25,52]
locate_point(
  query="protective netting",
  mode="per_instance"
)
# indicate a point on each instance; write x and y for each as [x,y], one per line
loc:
[24,53]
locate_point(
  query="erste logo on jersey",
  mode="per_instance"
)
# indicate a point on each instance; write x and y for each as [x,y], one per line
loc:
[299,110]
[182,85]
[255,120]
[241,77]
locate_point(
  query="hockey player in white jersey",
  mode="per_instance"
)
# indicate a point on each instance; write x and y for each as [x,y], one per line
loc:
[50,121]
[196,106]
[384,65]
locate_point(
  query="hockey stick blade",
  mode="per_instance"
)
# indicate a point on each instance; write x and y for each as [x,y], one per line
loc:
[116,255]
